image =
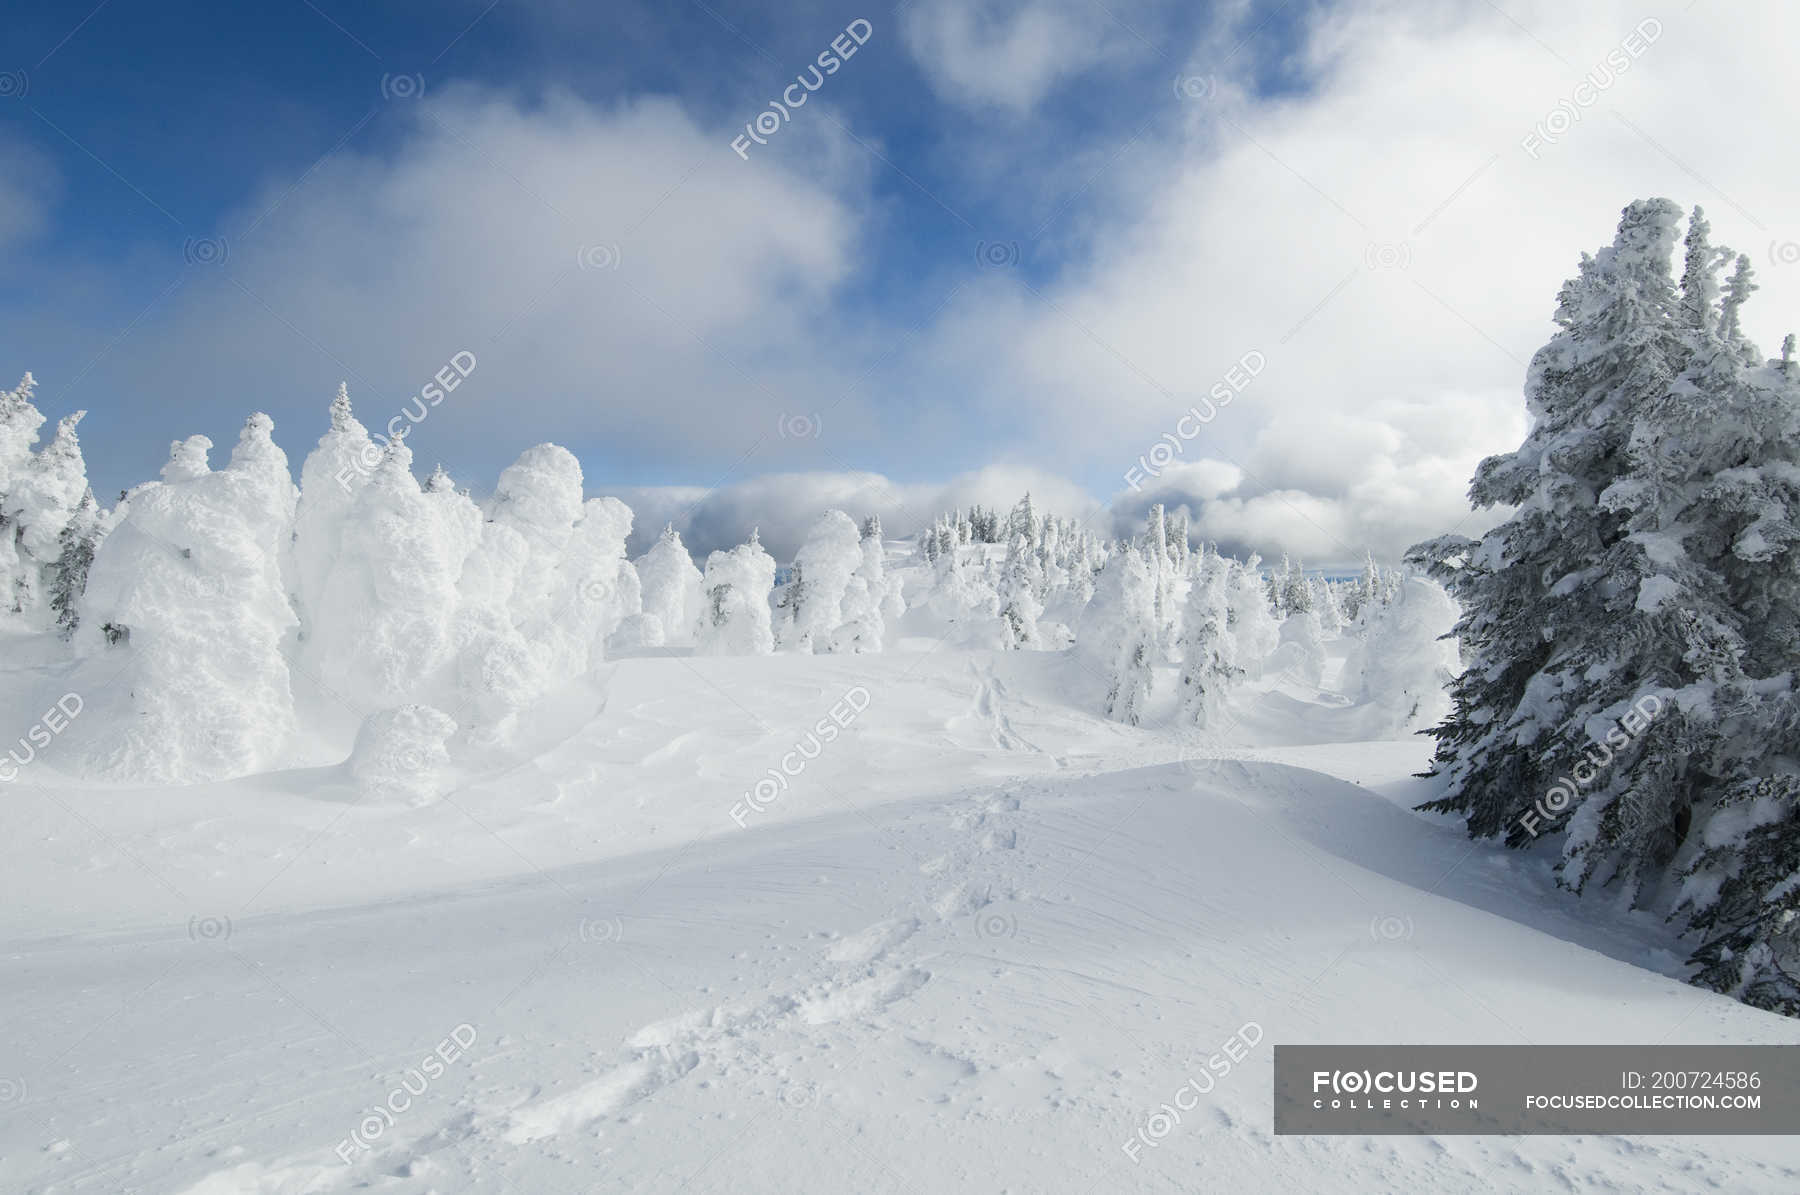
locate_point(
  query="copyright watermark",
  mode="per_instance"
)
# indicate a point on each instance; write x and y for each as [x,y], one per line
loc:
[382,1116]
[54,721]
[1560,120]
[1228,1057]
[1173,444]
[433,392]
[780,111]
[836,720]
[1561,794]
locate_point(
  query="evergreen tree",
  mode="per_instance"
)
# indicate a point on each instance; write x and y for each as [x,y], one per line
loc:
[735,620]
[1536,615]
[1178,538]
[1166,583]
[812,607]
[1297,591]
[1156,534]
[1736,290]
[670,585]
[1020,607]
[1330,610]
[1278,586]
[75,555]
[1368,588]
[39,503]
[332,475]
[1699,278]
[1053,576]
[19,423]
[1023,522]
[386,624]
[1208,650]
[1118,635]
[187,590]
[1253,623]
[1635,625]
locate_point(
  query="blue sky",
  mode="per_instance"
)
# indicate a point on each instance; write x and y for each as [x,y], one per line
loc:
[209,209]
[163,123]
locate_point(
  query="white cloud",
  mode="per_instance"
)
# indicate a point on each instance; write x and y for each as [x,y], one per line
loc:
[1007,54]
[1378,234]
[29,182]
[1388,245]
[623,278]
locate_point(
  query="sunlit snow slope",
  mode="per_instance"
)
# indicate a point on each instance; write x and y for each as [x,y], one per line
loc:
[973,946]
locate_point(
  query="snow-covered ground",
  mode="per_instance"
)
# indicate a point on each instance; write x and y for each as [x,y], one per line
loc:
[973,945]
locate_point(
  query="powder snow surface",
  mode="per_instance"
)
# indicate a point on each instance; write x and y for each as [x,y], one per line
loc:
[973,945]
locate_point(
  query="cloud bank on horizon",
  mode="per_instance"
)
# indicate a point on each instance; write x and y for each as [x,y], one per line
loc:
[1003,246]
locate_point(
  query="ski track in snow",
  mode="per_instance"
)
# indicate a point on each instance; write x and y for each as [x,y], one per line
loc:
[857,979]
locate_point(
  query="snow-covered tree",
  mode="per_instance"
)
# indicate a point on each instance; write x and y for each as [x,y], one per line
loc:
[1052,561]
[1634,623]
[187,592]
[671,585]
[1401,669]
[961,595]
[1023,521]
[1700,277]
[1179,550]
[735,618]
[1118,635]
[812,607]
[1301,650]
[330,478]
[382,624]
[1166,583]
[498,671]
[1019,604]
[1253,624]
[1330,610]
[1365,593]
[1208,649]
[1540,608]
[1278,588]
[888,590]
[74,557]
[38,505]
[540,497]
[1737,289]
[597,594]
[40,493]
[1297,590]
[19,423]
[863,627]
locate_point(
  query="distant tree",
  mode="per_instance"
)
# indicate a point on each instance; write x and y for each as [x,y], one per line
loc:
[1020,606]
[1118,634]
[1208,650]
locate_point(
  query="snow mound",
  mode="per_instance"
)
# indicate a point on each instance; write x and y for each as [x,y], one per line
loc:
[400,755]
